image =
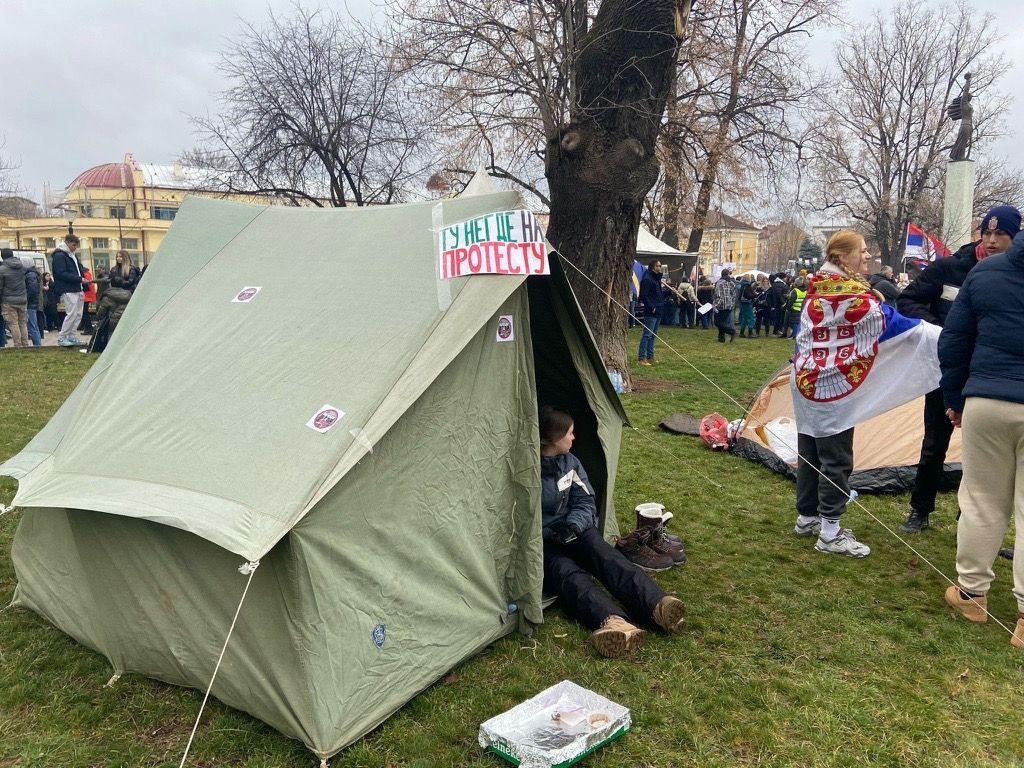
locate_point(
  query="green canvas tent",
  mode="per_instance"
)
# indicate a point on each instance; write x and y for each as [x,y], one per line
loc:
[392,545]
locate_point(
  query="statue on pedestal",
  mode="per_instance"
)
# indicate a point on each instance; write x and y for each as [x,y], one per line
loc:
[960,109]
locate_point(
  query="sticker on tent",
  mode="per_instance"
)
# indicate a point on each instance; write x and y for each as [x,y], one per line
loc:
[502,243]
[506,331]
[247,294]
[325,418]
[378,634]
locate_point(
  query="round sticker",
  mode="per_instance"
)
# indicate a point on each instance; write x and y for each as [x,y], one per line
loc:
[504,328]
[325,418]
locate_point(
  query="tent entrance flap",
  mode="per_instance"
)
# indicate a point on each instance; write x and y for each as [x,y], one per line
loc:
[558,381]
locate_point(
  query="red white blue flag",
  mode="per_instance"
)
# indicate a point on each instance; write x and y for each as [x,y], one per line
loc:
[923,247]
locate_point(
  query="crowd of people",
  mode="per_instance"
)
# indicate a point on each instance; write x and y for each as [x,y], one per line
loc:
[30,302]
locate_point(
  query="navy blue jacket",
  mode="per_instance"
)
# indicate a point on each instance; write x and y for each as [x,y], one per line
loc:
[981,349]
[32,287]
[566,495]
[651,293]
[66,278]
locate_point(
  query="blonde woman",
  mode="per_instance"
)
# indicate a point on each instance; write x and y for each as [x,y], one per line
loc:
[855,358]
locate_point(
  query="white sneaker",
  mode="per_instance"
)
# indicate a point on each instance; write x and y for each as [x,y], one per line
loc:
[845,543]
[811,529]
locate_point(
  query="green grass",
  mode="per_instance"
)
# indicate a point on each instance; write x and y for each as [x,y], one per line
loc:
[791,657]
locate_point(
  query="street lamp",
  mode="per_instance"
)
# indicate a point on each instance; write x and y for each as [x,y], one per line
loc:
[71,213]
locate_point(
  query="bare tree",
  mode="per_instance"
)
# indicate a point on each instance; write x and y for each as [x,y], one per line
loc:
[317,113]
[880,145]
[525,85]
[741,76]
[8,180]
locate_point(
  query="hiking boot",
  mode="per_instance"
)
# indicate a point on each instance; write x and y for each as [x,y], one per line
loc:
[1006,553]
[973,609]
[1017,639]
[616,637]
[670,614]
[661,544]
[643,362]
[915,522]
[636,548]
[812,528]
[845,543]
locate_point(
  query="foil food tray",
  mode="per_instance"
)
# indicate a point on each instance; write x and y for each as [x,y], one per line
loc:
[556,728]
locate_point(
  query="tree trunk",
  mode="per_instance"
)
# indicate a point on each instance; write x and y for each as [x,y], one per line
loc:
[601,167]
[671,197]
[703,205]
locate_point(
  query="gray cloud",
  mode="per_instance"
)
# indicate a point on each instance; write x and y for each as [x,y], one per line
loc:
[89,81]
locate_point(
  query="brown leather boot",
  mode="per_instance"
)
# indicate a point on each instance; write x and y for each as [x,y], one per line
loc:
[616,637]
[663,545]
[636,548]
[670,614]
[1017,638]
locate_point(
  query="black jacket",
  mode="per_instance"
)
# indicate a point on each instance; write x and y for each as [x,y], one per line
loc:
[931,293]
[886,287]
[66,277]
[565,494]
[651,293]
[981,349]
[32,287]
[119,280]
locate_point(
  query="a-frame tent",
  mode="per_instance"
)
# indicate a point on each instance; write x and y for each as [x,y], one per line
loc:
[392,546]
[885,448]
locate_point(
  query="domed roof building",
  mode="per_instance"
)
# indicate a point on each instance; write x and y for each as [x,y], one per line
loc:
[124,205]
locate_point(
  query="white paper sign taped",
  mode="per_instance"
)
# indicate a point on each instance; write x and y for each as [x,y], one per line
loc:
[325,418]
[247,294]
[506,329]
[705,308]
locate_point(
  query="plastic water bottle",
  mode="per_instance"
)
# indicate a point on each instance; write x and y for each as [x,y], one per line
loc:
[617,383]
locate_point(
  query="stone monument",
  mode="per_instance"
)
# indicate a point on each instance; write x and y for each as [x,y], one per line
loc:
[958,205]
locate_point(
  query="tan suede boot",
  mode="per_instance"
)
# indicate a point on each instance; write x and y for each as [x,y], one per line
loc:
[616,637]
[974,609]
[670,614]
[1017,638]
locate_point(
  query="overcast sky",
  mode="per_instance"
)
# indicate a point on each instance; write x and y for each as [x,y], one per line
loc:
[87,81]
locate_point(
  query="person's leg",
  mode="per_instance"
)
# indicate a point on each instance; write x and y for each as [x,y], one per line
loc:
[808,521]
[836,455]
[990,444]
[21,313]
[33,328]
[937,432]
[581,597]
[72,314]
[720,324]
[654,323]
[1018,517]
[7,313]
[646,336]
[627,582]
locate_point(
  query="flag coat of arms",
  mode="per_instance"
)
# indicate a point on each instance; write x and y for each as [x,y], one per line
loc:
[856,357]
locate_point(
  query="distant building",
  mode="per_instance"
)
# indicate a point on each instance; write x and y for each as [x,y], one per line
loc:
[728,240]
[779,245]
[20,207]
[115,206]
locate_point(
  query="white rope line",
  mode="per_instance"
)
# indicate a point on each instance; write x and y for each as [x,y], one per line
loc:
[783,439]
[249,568]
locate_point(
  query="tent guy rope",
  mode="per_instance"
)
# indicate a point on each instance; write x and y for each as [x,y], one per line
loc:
[853,500]
[248,569]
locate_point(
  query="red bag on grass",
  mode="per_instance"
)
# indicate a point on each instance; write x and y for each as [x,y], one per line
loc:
[714,431]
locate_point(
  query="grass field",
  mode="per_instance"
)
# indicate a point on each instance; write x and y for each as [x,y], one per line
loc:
[792,658]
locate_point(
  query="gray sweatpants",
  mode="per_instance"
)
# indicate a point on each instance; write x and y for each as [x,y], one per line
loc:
[833,456]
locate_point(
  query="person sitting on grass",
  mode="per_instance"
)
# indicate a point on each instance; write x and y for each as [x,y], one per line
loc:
[576,557]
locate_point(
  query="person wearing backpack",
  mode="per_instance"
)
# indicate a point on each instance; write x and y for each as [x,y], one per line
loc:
[746,302]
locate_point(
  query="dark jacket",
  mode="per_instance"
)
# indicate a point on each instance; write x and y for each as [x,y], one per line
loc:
[119,280]
[780,293]
[651,294]
[746,292]
[566,495]
[931,293]
[67,272]
[705,294]
[33,287]
[890,292]
[12,281]
[981,349]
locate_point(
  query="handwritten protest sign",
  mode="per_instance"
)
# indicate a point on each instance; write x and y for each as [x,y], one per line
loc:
[503,243]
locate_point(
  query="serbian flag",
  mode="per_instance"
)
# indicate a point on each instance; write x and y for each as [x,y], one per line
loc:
[856,357]
[637,276]
[923,247]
